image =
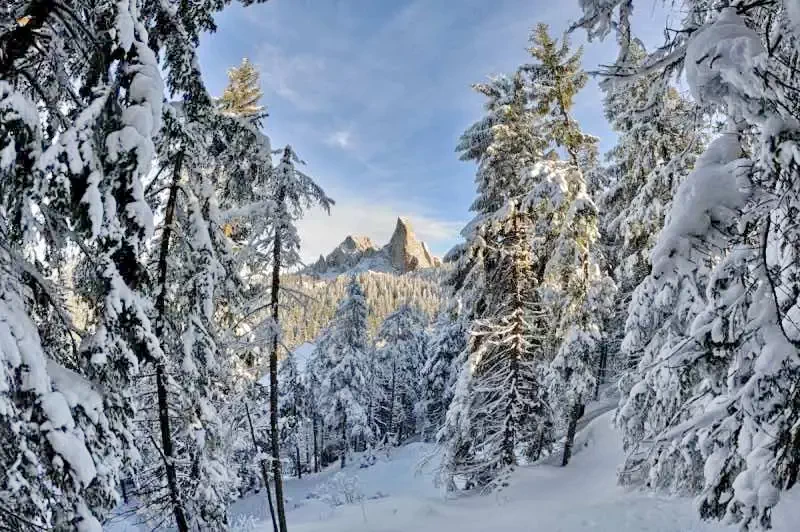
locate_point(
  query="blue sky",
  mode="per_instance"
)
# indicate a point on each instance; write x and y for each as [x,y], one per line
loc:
[374,94]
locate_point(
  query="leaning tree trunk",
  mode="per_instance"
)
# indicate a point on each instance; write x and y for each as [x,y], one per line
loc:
[264,467]
[574,415]
[273,366]
[168,450]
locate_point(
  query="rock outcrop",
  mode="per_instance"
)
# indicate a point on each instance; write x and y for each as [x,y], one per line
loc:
[406,253]
[403,253]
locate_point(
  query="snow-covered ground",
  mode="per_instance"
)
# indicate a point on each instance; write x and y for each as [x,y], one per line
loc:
[399,497]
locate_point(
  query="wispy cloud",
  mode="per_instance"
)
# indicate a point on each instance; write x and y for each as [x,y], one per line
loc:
[341,138]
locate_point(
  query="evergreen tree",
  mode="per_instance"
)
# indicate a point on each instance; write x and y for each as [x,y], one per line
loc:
[448,341]
[572,287]
[242,95]
[556,78]
[659,139]
[292,410]
[729,224]
[342,352]
[499,370]
[398,359]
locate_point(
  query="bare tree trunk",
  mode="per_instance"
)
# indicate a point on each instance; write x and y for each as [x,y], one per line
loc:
[601,367]
[299,465]
[389,427]
[575,414]
[315,429]
[168,450]
[344,438]
[264,468]
[273,366]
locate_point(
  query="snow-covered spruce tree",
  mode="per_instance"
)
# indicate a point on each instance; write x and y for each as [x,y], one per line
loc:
[571,287]
[292,410]
[500,371]
[448,340]
[659,138]
[736,207]
[398,361]
[292,192]
[554,80]
[343,351]
[71,176]
[196,276]
[241,96]
[508,405]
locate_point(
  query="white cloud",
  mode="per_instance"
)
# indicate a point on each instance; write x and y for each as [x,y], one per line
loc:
[341,138]
[320,233]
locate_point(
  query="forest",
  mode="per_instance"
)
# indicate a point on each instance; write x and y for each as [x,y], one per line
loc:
[166,356]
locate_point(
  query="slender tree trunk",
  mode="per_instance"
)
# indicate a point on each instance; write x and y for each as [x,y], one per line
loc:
[178,510]
[344,438]
[299,465]
[315,429]
[273,366]
[264,468]
[601,367]
[390,423]
[575,414]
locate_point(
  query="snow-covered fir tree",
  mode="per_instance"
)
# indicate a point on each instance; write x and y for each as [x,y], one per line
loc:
[737,404]
[498,371]
[448,339]
[573,289]
[342,358]
[243,93]
[659,138]
[293,422]
[398,360]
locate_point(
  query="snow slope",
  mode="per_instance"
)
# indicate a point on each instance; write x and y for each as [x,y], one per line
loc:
[398,497]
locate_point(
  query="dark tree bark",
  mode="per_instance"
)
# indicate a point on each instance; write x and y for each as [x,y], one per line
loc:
[315,429]
[168,450]
[344,438]
[273,366]
[575,414]
[264,468]
[601,367]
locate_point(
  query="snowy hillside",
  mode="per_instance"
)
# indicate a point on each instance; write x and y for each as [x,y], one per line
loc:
[398,495]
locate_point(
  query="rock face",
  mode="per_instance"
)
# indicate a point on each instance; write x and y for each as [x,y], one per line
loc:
[403,253]
[406,253]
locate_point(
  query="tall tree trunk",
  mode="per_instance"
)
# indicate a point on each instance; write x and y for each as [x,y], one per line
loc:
[344,438]
[273,365]
[390,423]
[315,429]
[168,450]
[264,467]
[575,414]
[299,465]
[601,367]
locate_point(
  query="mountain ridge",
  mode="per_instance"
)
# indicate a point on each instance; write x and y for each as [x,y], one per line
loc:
[404,253]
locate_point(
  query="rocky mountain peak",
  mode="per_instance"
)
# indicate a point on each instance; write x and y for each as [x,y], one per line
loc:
[406,252]
[403,253]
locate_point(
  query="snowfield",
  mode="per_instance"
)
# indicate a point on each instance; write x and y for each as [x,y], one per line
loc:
[399,497]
